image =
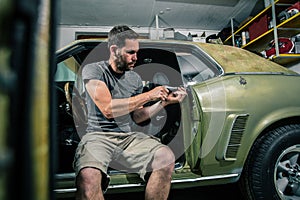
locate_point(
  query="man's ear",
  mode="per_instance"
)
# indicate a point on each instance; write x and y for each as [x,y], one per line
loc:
[113,49]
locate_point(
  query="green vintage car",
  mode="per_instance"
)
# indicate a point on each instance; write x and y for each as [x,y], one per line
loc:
[239,123]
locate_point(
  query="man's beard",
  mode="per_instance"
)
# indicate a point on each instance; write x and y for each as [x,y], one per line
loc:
[121,63]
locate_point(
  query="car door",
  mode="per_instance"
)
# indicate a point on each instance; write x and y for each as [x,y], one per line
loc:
[197,70]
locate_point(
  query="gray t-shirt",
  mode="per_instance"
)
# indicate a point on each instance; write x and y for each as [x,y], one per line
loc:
[120,86]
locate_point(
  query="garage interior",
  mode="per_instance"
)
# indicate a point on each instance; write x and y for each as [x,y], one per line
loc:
[196,20]
[31,34]
[147,16]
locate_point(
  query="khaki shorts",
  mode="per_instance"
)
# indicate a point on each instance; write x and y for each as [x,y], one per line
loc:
[131,152]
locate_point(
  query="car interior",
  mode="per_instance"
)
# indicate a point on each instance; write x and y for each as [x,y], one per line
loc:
[155,66]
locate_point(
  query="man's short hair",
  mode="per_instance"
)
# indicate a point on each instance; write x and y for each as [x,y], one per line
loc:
[118,34]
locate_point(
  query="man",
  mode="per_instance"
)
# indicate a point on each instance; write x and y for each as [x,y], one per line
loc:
[114,101]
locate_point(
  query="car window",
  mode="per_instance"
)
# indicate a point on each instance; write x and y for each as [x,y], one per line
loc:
[195,66]
[66,70]
[193,69]
[158,66]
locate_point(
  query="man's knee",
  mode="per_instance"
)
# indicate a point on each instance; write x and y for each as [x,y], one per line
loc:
[89,175]
[88,183]
[163,158]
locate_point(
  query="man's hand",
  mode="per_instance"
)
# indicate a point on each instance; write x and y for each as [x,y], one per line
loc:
[158,93]
[164,98]
[176,96]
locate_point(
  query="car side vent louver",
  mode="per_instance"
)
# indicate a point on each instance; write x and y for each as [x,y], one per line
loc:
[237,132]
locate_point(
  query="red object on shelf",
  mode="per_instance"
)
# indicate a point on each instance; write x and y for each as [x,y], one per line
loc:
[295,6]
[258,27]
[286,45]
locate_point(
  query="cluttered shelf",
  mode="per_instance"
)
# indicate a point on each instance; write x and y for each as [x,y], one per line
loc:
[284,59]
[273,33]
[286,29]
[246,25]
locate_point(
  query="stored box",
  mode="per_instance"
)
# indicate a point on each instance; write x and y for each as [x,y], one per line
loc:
[258,27]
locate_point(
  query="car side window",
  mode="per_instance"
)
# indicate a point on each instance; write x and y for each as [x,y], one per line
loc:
[66,70]
[193,69]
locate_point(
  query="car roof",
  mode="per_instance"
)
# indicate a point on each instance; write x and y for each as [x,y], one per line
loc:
[237,60]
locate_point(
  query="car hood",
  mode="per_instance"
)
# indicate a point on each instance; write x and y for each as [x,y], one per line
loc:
[237,60]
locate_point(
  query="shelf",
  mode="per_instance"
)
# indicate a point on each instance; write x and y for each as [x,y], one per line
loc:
[228,41]
[260,43]
[288,28]
[292,22]
[284,59]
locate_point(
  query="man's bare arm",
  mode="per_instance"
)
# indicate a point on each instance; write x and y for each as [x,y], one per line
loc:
[145,113]
[111,108]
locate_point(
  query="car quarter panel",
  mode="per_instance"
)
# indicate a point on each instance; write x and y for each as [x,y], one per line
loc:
[235,111]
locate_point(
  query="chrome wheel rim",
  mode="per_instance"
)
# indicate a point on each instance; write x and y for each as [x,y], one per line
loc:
[287,174]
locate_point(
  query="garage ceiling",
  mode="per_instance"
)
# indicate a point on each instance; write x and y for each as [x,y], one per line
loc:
[190,14]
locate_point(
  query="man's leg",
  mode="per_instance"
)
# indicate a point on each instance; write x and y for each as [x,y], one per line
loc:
[88,184]
[159,183]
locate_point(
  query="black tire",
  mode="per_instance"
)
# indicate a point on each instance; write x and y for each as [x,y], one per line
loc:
[272,170]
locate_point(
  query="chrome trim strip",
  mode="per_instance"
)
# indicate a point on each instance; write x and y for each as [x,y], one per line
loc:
[65,176]
[125,186]
[205,178]
[62,191]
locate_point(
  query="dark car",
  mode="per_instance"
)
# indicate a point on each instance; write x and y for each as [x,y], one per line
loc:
[239,123]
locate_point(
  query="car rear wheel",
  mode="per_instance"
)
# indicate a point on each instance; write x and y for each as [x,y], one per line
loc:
[272,170]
